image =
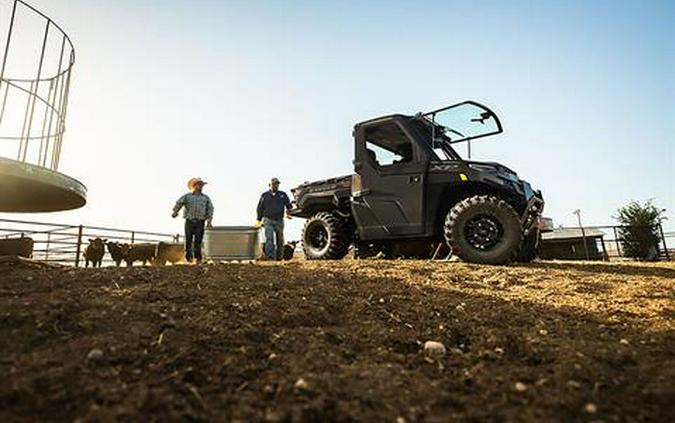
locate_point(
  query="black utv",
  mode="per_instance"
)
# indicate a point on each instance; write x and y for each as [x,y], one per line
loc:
[413,196]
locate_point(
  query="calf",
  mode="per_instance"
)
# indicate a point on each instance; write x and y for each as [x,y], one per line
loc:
[288,253]
[289,250]
[115,250]
[138,252]
[94,252]
[173,253]
[22,247]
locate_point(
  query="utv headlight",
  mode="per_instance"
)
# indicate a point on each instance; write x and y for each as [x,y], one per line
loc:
[482,167]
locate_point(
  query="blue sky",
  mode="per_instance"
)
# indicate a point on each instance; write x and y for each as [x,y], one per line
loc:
[239,91]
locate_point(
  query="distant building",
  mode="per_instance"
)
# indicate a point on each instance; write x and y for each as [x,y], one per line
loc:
[568,244]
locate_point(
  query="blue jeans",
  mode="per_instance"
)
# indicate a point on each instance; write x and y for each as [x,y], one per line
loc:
[194,234]
[274,238]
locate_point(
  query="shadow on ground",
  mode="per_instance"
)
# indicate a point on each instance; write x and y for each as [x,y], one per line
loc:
[604,268]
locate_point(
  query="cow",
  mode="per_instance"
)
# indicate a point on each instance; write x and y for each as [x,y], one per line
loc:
[94,252]
[115,250]
[289,250]
[138,252]
[288,253]
[169,252]
[22,247]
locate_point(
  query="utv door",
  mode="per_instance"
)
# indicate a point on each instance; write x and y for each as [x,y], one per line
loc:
[388,188]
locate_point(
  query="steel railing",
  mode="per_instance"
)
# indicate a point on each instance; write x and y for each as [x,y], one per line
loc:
[65,244]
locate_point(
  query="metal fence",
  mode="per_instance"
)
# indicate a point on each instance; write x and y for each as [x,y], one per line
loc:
[65,244]
[605,242]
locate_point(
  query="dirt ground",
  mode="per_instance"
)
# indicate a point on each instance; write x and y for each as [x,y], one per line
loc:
[339,341]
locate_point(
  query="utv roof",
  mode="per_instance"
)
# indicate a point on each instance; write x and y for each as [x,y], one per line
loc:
[386,117]
[418,116]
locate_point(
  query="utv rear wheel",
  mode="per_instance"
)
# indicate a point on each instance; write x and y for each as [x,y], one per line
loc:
[324,238]
[483,229]
[530,248]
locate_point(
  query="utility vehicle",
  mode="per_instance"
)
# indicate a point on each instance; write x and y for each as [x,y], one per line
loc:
[412,195]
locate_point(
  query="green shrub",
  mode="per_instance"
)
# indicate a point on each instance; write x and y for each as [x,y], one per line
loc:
[639,234]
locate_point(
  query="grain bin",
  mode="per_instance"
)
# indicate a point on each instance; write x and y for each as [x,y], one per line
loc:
[231,243]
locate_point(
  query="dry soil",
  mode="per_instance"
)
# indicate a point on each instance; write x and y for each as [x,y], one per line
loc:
[338,341]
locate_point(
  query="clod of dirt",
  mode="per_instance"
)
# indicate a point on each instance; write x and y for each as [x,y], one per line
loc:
[95,355]
[520,387]
[434,349]
[591,408]
[301,385]
[574,384]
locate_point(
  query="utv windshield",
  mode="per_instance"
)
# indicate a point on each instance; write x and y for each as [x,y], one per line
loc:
[462,122]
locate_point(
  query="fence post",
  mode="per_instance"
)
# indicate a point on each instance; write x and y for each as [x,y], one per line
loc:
[616,239]
[133,236]
[49,237]
[79,246]
[663,238]
[604,250]
[583,236]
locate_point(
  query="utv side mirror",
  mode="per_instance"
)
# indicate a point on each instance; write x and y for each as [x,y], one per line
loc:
[483,117]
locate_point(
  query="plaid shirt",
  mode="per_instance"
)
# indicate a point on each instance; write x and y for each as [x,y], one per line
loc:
[197,206]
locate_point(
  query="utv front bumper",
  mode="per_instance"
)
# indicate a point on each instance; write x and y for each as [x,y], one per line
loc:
[533,209]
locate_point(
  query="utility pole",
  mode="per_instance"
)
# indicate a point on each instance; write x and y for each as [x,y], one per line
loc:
[583,232]
[663,238]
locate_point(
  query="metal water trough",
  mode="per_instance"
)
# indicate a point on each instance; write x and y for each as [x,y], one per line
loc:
[232,243]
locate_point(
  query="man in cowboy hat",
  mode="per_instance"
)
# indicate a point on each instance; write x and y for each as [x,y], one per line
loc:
[198,211]
[271,209]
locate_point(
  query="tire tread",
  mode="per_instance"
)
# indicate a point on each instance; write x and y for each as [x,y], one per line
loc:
[458,209]
[339,242]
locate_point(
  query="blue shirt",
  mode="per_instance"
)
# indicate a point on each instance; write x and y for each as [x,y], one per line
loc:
[272,205]
[197,206]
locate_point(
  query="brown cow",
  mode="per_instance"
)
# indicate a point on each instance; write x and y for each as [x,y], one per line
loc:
[94,252]
[173,253]
[115,250]
[138,252]
[22,247]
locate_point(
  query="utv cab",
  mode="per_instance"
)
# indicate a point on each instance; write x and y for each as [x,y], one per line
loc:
[412,195]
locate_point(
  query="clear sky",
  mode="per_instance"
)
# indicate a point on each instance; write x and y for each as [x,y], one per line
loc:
[239,91]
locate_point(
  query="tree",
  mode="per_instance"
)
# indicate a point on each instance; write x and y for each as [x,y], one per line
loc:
[639,232]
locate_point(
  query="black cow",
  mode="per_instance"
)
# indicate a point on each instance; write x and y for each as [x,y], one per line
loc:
[115,250]
[94,252]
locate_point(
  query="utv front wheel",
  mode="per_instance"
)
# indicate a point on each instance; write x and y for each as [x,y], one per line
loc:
[483,229]
[324,238]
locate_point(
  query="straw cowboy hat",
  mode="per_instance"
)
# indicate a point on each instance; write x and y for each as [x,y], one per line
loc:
[193,182]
